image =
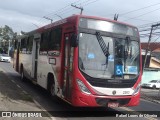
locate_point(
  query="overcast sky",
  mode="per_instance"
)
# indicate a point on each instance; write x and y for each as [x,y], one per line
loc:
[27,15]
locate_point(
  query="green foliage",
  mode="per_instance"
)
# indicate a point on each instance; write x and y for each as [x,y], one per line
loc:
[6,34]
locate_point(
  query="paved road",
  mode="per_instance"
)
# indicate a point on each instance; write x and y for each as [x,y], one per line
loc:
[42,98]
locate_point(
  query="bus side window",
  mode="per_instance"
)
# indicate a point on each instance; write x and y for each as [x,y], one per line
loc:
[23,45]
[30,44]
[55,39]
[44,41]
[15,44]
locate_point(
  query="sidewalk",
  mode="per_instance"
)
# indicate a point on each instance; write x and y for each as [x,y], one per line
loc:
[14,99]
[151,95]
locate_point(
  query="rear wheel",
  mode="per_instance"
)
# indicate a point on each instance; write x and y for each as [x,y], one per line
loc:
[23,78]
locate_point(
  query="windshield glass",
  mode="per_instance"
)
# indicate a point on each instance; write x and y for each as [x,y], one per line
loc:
[121,60]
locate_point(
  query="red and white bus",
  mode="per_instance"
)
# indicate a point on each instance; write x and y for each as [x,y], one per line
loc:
[84,60]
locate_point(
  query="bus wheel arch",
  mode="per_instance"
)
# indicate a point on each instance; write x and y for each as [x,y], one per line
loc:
[51,84]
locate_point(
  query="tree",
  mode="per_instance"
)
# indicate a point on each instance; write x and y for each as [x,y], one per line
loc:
[6,34]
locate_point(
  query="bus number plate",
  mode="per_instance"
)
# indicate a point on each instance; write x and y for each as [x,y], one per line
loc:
[112,105]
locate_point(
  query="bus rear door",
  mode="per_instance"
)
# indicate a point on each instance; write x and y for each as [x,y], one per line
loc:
[36,44]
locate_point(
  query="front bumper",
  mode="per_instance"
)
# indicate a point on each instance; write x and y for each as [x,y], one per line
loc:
[89,100]
[5,60]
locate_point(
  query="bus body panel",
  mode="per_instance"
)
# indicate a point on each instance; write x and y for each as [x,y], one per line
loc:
[63,65]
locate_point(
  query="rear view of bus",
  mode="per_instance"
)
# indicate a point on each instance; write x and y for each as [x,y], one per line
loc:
[107,67]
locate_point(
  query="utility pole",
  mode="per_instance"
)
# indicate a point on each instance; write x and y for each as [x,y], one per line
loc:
[48,18]
[149,40]
[81,8]
[9,46]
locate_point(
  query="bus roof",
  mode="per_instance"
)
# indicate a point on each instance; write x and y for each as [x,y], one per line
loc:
[73,18]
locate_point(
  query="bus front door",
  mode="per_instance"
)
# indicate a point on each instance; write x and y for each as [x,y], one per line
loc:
[68,57]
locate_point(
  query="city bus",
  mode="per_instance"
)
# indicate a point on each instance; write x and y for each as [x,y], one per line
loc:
[87,61]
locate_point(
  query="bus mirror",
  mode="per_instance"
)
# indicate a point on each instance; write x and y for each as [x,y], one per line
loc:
[74,40]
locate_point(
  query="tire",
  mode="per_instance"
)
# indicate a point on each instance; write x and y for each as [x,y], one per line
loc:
[23,78]
[154,87]
[52,90]
[51,86]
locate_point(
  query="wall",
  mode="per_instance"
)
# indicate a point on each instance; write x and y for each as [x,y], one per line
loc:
[150,75]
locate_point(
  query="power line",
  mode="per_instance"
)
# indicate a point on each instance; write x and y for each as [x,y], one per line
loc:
[67,9]
[84,3]
[61,9]
[64,9]
[139,19]
[142,14]
[148,24]
[81,8]
[156,39]
[55,13]
[139,9]
[48,18]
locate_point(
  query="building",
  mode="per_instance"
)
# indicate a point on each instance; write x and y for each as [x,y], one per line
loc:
[153,56]
[152,66]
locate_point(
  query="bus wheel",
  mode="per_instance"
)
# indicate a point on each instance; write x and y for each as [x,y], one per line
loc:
[22,75]
[52,89]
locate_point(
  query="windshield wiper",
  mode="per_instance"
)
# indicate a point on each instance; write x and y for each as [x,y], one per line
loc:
[103,46]
[126,51]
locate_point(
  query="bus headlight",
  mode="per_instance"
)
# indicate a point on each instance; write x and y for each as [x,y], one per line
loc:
[82,87]
[136,90]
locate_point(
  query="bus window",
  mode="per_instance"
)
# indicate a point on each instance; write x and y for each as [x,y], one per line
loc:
[55,39]
[29,44]
[23,45]
[44,41]
[15,44]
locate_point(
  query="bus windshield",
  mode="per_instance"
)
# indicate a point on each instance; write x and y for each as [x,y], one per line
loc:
[120,61]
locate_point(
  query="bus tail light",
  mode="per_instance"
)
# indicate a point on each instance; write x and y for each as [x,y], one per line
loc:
[82,87]
[136,90]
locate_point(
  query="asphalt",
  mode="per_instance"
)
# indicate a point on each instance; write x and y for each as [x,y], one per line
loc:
[16,104]
[151,94]
[14,99]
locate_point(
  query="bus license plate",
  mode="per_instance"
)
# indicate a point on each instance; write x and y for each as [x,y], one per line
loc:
[113,105]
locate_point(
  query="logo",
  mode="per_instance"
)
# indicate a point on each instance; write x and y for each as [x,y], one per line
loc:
[119,70]
[6,114]
[113,92]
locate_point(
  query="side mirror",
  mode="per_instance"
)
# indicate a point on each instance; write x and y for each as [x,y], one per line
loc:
[74,40]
